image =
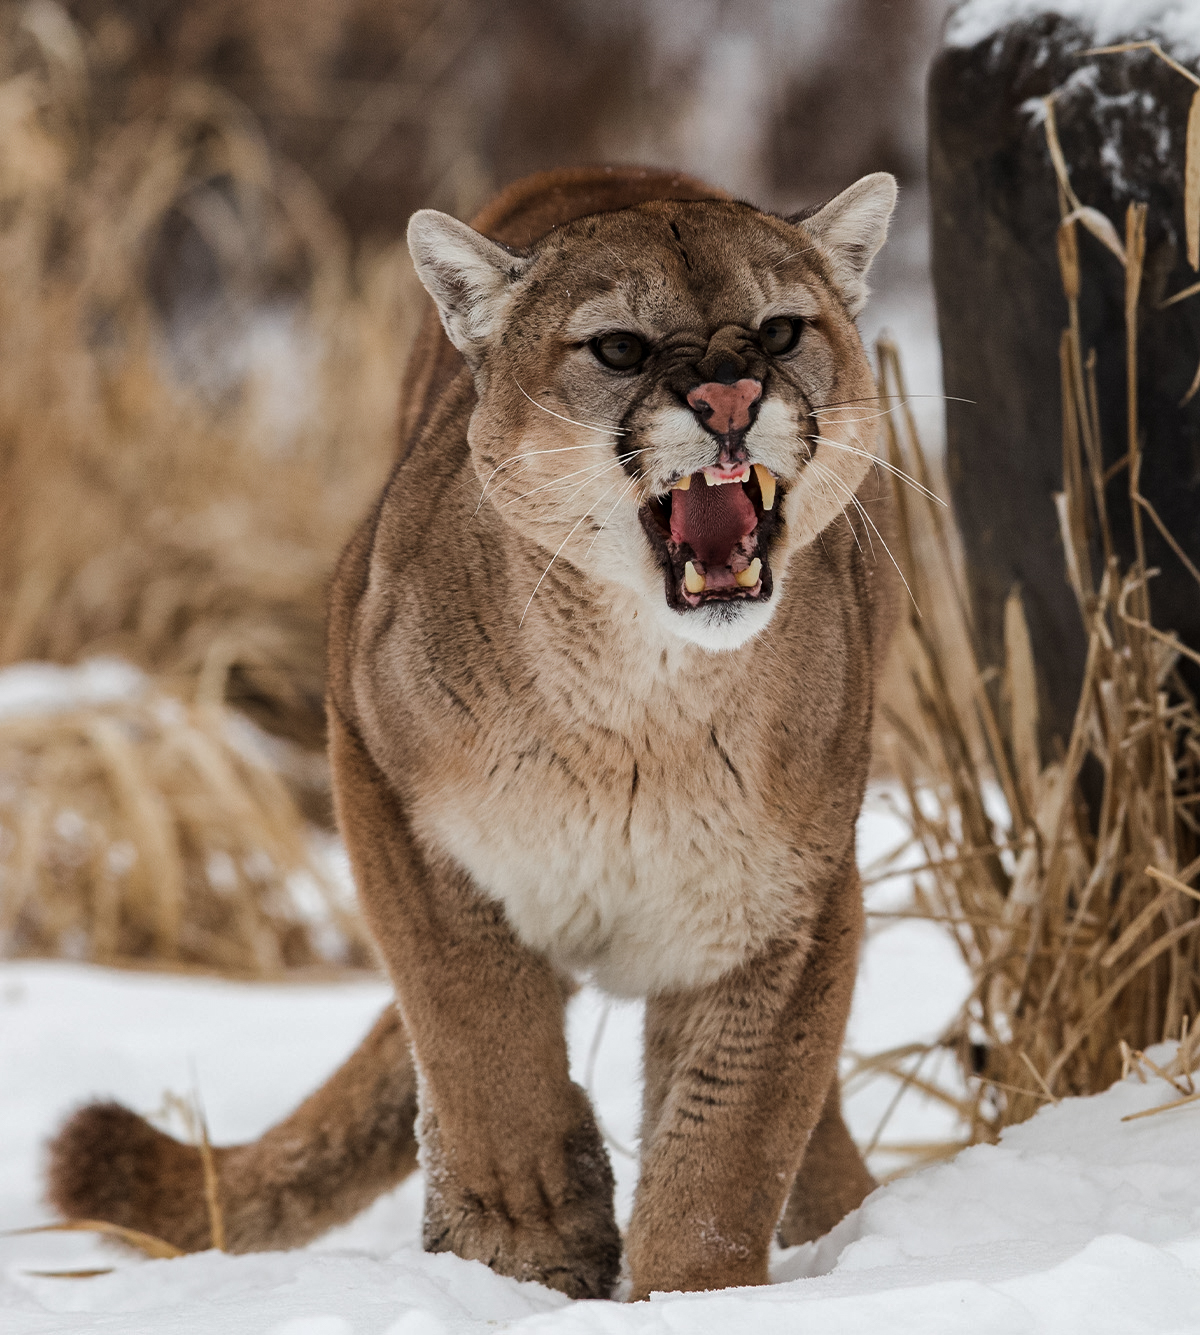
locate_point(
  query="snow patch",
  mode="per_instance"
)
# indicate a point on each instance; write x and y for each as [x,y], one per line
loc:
[1075,1222]
[46,688]
[1174,22]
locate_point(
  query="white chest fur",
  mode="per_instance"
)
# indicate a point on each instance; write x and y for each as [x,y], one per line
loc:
[649,868]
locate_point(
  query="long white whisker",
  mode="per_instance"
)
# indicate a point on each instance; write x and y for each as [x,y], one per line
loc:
[595,470]
[822,472]
[853,408]
[804,250]
[637,477]
[614,254]
[878,398]
[882,463]
[530,454]
[837,482]
[588,426]
[554,558]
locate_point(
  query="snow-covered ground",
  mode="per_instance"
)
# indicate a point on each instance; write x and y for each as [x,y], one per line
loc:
[1077,1221]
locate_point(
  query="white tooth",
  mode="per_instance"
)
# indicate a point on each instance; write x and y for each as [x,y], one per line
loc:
[692,579]
[712,481]
[748,578]
[683,484]
[766,484]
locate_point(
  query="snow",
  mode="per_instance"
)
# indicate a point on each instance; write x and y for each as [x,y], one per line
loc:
[46,688]
[1174,22]
[1076,1221]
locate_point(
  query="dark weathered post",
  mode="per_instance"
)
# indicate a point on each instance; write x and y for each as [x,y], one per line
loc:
[1122,122]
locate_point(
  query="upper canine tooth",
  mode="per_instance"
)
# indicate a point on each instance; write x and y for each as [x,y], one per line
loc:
[748,578]
[693,579]
[766,484]
[683,484]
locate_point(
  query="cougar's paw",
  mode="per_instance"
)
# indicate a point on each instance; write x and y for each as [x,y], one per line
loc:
[108,1163]
[553,1226]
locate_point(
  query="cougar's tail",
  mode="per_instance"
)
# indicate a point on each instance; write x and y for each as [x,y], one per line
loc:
[345,1145]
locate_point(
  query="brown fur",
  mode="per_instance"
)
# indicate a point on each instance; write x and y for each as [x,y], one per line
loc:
[535,775]
[342,1147]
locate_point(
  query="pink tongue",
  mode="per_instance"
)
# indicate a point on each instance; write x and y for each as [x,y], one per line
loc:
[712,520]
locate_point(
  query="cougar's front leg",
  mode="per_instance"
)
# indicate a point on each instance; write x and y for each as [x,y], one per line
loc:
[516,1172]
[738,1076]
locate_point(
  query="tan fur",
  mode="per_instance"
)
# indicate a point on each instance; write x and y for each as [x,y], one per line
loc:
[546,765]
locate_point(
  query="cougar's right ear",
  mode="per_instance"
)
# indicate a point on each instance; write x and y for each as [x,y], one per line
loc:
[466,274]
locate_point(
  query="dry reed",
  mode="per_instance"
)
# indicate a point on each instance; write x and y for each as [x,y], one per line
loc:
[151,829]
[1071,884]
[190,527]
[175,495]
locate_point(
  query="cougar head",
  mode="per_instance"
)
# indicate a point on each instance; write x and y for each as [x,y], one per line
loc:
[672,397]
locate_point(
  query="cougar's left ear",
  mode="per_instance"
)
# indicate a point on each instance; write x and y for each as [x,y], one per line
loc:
[850,230]
[466,274]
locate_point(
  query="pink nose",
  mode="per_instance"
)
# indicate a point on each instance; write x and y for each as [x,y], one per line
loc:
[725,408]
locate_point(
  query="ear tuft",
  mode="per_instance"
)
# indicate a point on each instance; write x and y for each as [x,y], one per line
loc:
[850,229]
[468,276]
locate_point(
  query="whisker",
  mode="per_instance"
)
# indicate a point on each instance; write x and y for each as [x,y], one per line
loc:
[822,472]
[530,454]
[554,558]
[804,250]
[881,463]
[588,426]
[637,477]
[877,398]
[594,471]
[837,482]
[864,415]
[614,254]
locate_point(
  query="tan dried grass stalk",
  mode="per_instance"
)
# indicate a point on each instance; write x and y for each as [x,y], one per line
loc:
[193,533]
[157,1249]
[191,1113]
[1069,883]
[155,830]
[188,529]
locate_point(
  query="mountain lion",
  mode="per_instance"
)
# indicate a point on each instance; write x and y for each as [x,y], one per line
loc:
[601,672]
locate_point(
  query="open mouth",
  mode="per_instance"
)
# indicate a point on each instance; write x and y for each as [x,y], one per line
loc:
[712,532]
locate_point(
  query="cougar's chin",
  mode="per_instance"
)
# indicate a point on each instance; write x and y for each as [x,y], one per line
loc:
[712,536]
[720,626]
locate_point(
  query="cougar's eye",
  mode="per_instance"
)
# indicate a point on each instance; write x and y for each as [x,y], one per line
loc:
[779,334]
[622,351]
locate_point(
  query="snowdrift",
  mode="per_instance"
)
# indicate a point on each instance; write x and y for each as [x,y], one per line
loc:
[1076,1221]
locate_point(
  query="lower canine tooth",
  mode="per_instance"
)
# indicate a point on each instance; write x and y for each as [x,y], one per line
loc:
[766,484]
[692,579]
[748,578]
[683,484]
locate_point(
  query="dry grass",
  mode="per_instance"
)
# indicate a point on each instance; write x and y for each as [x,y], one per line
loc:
[150,829]
[1071,883]
[188,524]
[191,532]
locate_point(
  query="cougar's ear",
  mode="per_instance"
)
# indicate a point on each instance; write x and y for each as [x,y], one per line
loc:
[850,230]
[466,274]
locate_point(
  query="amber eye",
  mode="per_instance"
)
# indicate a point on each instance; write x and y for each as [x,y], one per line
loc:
[779,334]
[622,351]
